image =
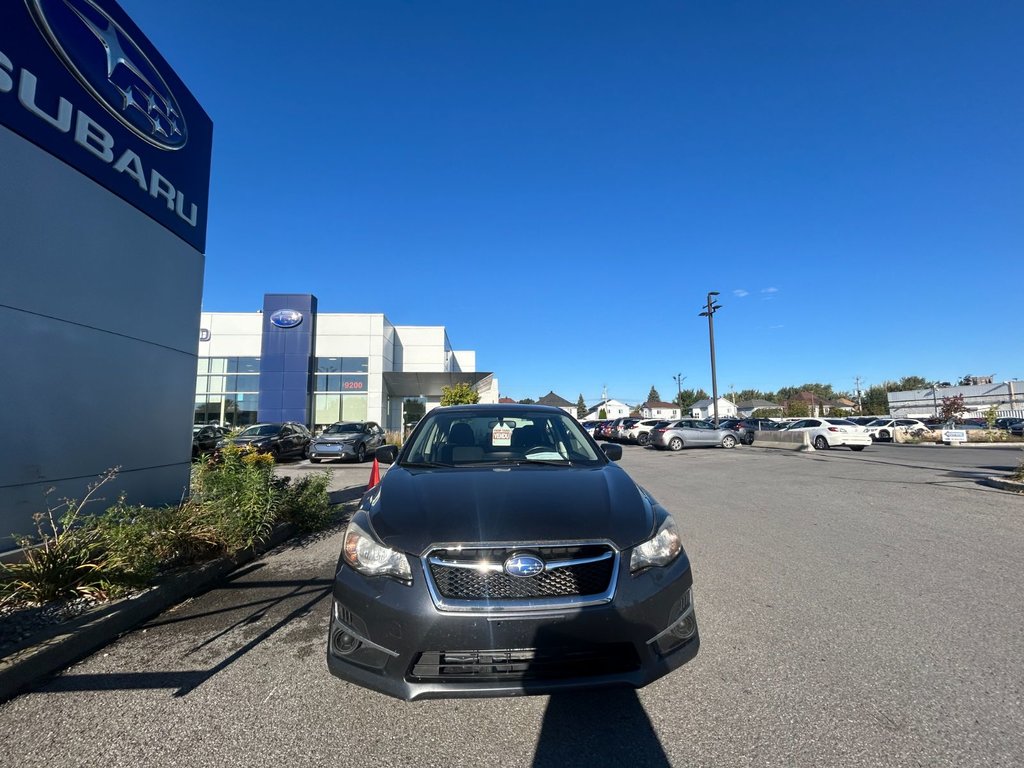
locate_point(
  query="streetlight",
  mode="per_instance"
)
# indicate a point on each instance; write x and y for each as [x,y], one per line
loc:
[679,392]
[709,312]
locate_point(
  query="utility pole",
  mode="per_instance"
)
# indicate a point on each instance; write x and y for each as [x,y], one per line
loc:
[709,312]
[679,392]
[860,403]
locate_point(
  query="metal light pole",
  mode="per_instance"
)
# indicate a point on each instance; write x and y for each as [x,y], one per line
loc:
[709,312]
[679,392]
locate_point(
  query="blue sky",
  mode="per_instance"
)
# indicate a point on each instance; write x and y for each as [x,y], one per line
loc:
[561,183]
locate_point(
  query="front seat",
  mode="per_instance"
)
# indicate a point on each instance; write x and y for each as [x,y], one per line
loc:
[461,445]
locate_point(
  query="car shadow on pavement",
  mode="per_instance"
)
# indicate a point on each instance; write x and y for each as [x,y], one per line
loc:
[310,591]
[602,727]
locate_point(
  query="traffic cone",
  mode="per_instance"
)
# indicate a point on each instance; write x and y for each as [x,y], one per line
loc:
[374,474]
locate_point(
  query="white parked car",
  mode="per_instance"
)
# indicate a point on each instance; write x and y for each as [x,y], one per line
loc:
[828,433]
[882,429]
[640,433]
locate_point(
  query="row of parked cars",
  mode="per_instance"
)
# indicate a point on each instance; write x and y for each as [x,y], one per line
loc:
[855,432]
[352,440]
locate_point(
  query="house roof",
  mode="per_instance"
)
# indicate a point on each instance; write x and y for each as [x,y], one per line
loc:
[505,400]
[552,399]
[659,404]
[748,404]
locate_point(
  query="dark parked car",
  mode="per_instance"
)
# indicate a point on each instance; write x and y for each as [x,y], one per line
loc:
[346,440]
[504,553]
[205,438]
[746,428]
[282,441]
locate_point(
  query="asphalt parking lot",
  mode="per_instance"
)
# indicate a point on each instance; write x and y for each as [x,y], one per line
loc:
[855,609]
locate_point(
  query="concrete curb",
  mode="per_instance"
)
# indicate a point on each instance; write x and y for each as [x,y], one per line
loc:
[1003,484]
[59,646]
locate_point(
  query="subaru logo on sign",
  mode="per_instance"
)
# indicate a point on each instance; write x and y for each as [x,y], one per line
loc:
[113,68]
[286,318]
[523,566]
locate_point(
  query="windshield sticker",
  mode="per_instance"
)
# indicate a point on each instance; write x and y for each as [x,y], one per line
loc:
[501,435]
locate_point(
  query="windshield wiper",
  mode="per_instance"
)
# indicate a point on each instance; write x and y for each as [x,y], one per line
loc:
[520,462]
[424,464]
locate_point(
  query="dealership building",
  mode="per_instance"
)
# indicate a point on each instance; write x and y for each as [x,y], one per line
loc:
[291,362]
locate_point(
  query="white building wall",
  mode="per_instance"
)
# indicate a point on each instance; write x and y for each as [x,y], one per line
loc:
[420,349]
[231,334]
[465,360]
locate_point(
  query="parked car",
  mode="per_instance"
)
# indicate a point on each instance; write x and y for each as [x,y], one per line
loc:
[353,440]
[615,429]
[746,428]
[205,438]
[640,432]
[1017,429]
[1007,422]
[281,440]
[687,433]
[863,421]
[556,573]
[882,429]
[828,433]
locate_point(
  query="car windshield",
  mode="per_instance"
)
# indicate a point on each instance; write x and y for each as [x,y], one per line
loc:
[339,429]
[260,430]
[466,437]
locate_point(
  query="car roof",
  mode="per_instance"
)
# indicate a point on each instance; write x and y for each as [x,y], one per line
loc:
[497,408]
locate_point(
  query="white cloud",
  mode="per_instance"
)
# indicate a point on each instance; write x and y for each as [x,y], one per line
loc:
[769,290]
[741,292]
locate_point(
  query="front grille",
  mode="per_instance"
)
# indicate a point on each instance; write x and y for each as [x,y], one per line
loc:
[478,575]
[524,663]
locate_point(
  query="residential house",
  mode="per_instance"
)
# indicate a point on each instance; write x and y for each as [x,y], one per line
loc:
[746,408]
[613,409]
[705,409]
[558,402]
[655,409]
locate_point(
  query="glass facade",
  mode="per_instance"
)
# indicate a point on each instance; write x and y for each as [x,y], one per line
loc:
[340,389]
[227,390]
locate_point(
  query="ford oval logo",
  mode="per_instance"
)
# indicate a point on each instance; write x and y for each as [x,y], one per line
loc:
[286,318]
[113,68]
[523,566]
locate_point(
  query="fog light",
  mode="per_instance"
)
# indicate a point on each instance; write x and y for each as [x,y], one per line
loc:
[343,643]
[681,630]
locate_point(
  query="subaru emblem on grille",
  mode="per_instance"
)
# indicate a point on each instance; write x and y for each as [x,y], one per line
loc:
[524,566]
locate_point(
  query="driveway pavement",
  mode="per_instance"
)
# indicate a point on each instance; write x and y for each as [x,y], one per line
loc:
[855,609]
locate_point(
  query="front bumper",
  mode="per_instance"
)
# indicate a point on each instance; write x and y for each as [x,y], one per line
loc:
[405,647]
[331,451]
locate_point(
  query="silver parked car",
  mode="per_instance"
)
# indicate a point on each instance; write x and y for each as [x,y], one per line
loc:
[692,432]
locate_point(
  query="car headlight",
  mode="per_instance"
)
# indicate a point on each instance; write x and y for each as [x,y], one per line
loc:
[660,550]
[371,558]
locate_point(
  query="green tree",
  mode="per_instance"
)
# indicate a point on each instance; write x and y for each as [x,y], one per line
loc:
[797,408]
[653,396]
[991,415]
[688,397]
[527,401]
[459,394]
[876,400]
[911,382]
[581,407]
[602,414]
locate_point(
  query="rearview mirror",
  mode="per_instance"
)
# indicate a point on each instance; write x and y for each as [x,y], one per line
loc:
[386,454]
[612,451]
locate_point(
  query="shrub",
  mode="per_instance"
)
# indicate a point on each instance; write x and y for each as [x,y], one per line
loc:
[65,562]
[237,495]
[395,438]
[306,503]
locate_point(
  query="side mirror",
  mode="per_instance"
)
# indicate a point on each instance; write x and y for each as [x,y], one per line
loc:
[612,451]
[386,454]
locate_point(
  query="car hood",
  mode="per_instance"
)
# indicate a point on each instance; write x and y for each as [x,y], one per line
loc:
[247,440]
[336,438]
[414,508]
